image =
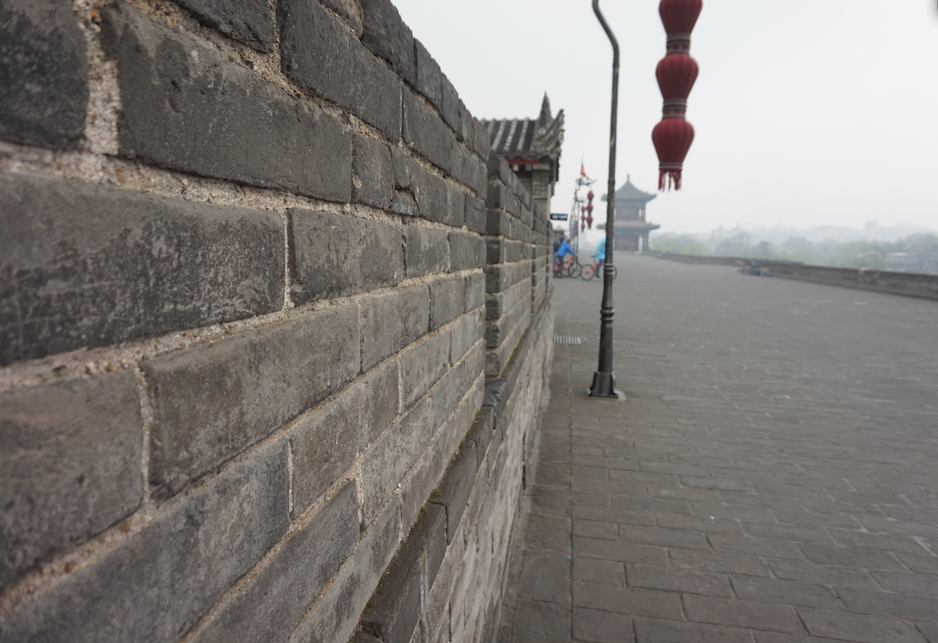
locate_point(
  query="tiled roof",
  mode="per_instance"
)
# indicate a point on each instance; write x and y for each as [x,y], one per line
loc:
[628,192]
[527,137]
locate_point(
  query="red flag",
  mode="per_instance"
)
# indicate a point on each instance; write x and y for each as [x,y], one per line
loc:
[582,171]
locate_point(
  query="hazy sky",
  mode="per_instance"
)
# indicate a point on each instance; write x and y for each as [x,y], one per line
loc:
[806,112]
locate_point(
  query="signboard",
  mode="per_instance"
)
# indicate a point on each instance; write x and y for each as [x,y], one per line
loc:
[556,216]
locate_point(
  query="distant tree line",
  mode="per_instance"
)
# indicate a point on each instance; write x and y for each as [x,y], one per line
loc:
[915,253]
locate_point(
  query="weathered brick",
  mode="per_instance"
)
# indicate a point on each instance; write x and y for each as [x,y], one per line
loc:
[213,401]
[325,444]
[429,76]
[426,251]
[466,332]
[390,321]
[278,596]
[334,255]
[446,300]
[382,400]
[69,465]
[452,387]
[372,172]
[386,35]
[427,132]
[181,265]
[432,195]
[456,486]
[248,21]
[455,206]
[503,276]
[464,122]
[392,456]
[467,251]
[43,74]
[185,107]
[349,11]
[450,110]
[480,139]
[475,290]
[475,214]
[395,609]
[159,583]
[322,56]
[481,431]
[337,612]
[422,365]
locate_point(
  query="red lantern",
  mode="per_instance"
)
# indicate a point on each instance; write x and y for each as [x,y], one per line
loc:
[582,225]
[676,75]
[679,16]
[672,138]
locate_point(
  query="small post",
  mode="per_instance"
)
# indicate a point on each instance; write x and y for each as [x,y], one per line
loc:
[604,379]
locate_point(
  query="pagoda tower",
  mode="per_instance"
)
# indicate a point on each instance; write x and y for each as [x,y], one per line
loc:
[631,227]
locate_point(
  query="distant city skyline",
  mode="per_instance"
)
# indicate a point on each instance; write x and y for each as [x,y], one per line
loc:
[806,113]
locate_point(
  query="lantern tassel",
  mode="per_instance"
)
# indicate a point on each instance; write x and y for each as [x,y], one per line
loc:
[673,179]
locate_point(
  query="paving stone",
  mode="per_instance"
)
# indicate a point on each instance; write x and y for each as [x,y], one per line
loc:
[929,630]
[616,551]
[765,547]
[758,616]
[656,631]
[787,532]
[784,592]
[922,584]
[717,562]
[44,67]
[702,524]
[887,542]
[663,537]
[601,627]
[833,575]
[223,120]
[716,484]
[677,580]
[910,606]
[548,534]
[856,627]
[919,564]
[537,622]
[545,578]
[598,571]
[867,558]
[630,602]
[596,529]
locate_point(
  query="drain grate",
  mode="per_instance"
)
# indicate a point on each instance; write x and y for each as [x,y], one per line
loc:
[567,339]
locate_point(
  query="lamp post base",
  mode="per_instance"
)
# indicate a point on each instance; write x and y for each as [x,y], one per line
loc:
[604,385]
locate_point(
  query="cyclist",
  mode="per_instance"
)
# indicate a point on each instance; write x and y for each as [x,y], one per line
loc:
[562,252]
[600,256]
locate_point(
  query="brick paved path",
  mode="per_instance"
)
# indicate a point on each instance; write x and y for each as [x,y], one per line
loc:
[772,477]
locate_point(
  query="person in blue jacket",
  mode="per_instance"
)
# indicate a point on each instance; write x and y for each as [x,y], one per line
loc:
[563,251]
[600,255]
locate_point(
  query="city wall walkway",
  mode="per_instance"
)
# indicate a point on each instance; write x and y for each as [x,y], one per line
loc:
[772,476]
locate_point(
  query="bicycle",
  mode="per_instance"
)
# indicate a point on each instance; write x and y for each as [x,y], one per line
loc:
[590,270]
[569,268]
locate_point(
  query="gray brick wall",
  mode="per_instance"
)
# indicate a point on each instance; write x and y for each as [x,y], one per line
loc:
[273,327]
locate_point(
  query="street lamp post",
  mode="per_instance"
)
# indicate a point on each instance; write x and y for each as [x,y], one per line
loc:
[604,378]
